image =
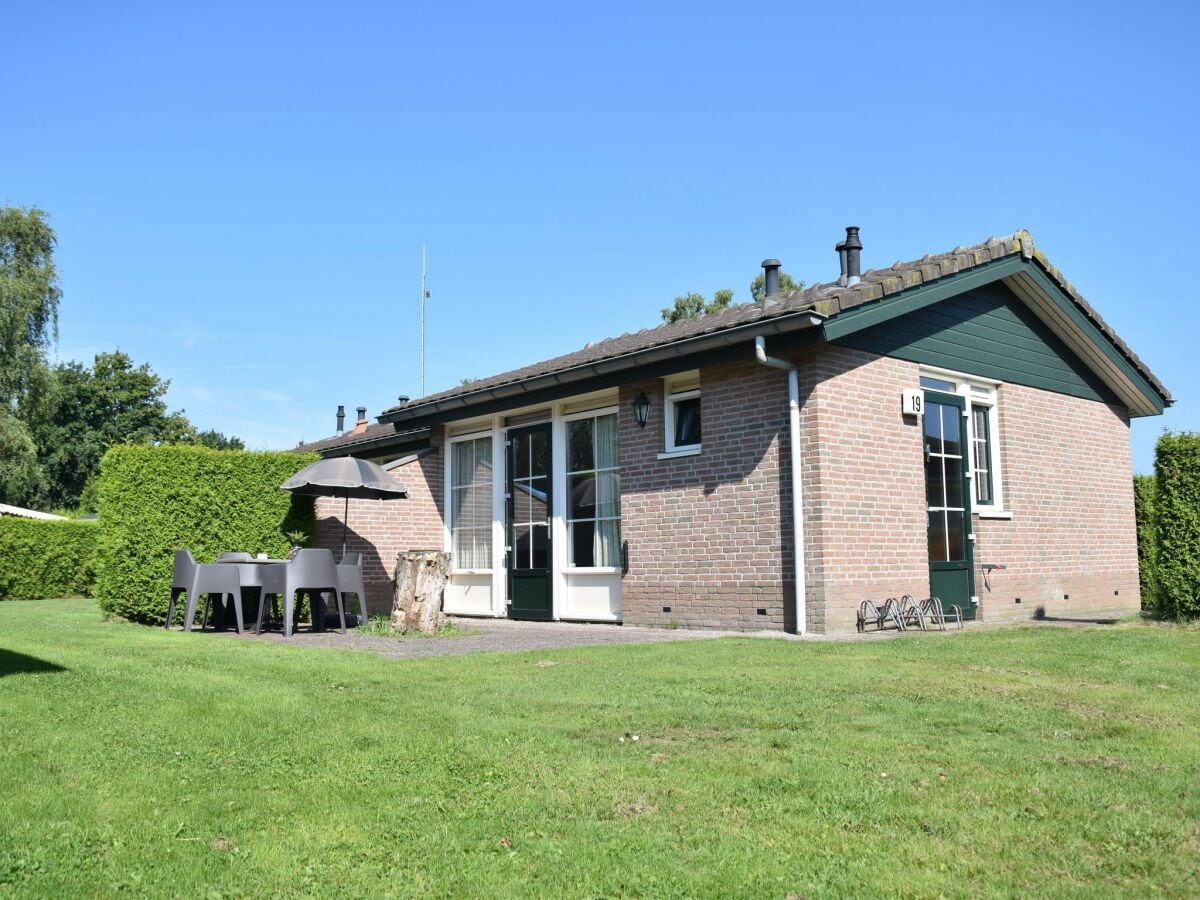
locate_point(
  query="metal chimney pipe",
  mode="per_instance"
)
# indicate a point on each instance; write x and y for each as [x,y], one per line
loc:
[341,419]
[771,277]
[853,256]
[362,414]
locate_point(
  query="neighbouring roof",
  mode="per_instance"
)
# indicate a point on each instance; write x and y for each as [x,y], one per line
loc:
[349,441]
[6,510]
[824,300]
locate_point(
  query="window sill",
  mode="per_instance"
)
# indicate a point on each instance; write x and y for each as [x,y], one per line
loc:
[593,570]
[993,513]
[675,454]
[470,571]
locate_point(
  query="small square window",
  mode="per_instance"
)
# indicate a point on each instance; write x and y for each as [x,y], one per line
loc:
[683,421]
[687,422]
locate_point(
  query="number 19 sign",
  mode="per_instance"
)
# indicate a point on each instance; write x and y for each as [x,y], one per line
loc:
[913,402]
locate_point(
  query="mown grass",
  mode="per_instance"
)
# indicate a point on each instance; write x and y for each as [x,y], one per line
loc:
[1025,761]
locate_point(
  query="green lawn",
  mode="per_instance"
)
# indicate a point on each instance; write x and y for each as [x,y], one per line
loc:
[1011,762]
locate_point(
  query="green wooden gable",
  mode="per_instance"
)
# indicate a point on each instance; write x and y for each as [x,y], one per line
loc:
[985,331]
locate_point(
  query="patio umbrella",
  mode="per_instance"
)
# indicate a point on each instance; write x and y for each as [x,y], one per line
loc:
[345,476]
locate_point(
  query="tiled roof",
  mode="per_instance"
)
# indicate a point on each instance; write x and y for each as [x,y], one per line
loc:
[826,299]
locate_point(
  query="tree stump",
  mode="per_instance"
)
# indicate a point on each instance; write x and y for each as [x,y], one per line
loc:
[420,583]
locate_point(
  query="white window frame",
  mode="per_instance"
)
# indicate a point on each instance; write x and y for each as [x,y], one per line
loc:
[567,568]
[449,491]
[980,393]
[685,386]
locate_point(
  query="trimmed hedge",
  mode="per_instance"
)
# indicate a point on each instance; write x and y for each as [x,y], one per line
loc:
[42,558]
[1177,514]
[156,500]
[1145,493]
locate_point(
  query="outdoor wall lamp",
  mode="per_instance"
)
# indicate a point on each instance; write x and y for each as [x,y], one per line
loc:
[641,408]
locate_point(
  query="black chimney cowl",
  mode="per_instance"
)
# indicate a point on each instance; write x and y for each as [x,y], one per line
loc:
[853,247]
[770,281]
[362,414]
[341,419]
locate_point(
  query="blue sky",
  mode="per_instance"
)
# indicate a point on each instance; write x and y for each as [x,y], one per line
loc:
[241,191]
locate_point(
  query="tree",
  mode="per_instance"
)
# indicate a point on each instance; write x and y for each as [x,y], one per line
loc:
[758,287]
[113,402]
[693,305]
[29,295]
[19,470]
[215,440]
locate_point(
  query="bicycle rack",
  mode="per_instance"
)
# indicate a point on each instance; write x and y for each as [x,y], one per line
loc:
[907,613]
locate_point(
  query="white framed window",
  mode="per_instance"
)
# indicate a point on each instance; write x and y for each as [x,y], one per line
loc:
[983,433]
[593,504]
[471,504]
[681,405]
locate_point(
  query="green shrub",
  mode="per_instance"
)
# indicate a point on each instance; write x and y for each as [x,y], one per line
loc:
[1145,492]
[156,500]
[46,558]
[1177,506]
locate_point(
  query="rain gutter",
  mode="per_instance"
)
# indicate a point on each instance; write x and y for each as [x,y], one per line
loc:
[801,598]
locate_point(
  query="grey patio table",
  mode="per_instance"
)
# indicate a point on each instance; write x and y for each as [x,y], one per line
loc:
[250,572]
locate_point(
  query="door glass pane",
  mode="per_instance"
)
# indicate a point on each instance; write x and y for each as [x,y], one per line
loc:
[937,536]
[539,499]
[539,453]
[934,494]
[952,430]
[956,542]
[522,541]
[938,384]
[540,547]
[522,503]
[954,482]
[933,427]
[520,456]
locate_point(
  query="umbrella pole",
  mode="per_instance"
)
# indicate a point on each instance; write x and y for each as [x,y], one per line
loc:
[345,522]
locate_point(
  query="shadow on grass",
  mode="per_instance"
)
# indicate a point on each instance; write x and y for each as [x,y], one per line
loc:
[18,664]
[1040,616]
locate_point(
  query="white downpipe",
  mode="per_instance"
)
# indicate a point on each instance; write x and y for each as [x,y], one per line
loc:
[760,350]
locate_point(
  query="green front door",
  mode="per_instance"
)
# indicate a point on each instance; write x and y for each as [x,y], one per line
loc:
[948,501]
[528,509]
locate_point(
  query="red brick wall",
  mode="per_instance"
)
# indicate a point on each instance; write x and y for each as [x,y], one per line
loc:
[380,529]
[864,485]
[1070,547]
[710,535]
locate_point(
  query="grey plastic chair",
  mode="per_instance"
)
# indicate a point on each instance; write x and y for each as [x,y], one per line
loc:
[234,557]
[194,579]
[181,580]
[350,581]
[312,571]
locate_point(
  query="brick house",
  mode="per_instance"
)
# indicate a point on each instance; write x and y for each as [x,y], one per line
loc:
[955,426]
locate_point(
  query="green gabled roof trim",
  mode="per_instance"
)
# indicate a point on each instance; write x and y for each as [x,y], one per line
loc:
[1148,399]
[1085,324]
[991,332]
[859,317]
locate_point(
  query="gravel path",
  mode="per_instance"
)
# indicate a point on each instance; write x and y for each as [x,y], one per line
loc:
[488,636]
[509,636]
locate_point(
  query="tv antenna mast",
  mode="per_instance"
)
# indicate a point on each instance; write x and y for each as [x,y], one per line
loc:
[424,296]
